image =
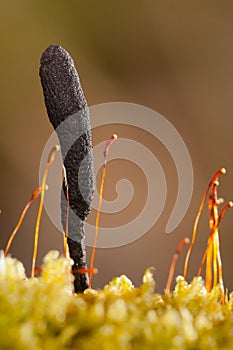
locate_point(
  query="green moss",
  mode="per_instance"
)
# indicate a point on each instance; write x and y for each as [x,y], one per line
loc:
[43,313]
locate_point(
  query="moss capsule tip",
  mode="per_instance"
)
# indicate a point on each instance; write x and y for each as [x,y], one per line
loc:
[223,171]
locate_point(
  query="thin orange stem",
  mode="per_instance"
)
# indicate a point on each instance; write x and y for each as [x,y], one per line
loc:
[221,215]
[215,257]
[214,211]
[43,186]
[204,257]
[213,223]
[209,259]
[212,253]
[223,211]
[221,284]
[210,241]
[65,236]
[173,263]
[97,225]
[83,270]
[106,149]
[66,249]
[12,236]
[214,178]
[194,233]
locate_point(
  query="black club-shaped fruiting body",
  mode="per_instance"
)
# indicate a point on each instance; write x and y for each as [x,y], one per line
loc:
[68,112]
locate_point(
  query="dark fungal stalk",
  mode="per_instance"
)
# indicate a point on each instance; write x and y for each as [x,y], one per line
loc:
[68,112]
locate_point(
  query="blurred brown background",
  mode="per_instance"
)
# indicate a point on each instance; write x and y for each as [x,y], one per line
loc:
[174,57]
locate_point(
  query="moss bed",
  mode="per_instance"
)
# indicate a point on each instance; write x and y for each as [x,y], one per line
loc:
[43,313]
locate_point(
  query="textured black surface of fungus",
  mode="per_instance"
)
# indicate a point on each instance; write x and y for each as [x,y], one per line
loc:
[68,112]
[63,93]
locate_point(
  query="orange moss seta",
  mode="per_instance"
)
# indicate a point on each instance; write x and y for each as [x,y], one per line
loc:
[65,242]
[106,149]
[43,187]
[22,216]
[214,178]
[212,256]
[82,270]
[173,263]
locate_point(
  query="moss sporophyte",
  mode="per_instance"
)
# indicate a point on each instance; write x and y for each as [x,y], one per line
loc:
[43,312]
